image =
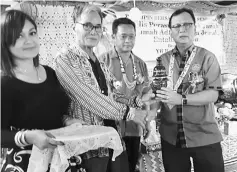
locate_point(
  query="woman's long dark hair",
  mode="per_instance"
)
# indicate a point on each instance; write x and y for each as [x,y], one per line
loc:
[12,23]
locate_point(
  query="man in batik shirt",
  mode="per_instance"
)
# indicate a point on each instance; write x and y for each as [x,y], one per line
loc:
[87,82]
[130,78]
[188,126]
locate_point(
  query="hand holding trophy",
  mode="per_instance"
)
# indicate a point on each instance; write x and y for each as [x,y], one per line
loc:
[159,79]
[159,76]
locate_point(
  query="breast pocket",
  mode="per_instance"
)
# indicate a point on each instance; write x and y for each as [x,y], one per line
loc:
[194,114]
[199,87]
[195,84]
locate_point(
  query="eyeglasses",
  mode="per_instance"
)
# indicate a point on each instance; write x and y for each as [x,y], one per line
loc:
[124,37]
[90,27]
[185,25]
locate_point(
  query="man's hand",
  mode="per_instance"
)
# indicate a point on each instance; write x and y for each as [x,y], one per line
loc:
[73,121]
[149,98]
[42,139]
[147,131]
[169,96]
[139,117]
[152,113]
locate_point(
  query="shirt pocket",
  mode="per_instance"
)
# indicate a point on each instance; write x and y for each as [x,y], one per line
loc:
[194,114]
[195,84]
[199,87]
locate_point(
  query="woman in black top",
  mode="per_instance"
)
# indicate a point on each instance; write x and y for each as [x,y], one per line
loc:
[32,100]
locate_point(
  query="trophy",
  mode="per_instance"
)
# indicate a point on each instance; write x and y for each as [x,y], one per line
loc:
[159,76]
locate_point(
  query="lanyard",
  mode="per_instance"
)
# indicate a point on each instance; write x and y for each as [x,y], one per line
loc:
[182,75]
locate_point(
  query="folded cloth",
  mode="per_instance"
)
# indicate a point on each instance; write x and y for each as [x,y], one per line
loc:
[78,139]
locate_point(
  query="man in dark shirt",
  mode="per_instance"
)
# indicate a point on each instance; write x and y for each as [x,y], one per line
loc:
[188,127]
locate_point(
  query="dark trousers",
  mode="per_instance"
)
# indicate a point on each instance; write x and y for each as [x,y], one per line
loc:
[97,164]
[133,147]
[205,158]
[120,164]
[105,164]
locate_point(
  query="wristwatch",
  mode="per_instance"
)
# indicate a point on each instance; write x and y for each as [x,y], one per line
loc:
[184,100]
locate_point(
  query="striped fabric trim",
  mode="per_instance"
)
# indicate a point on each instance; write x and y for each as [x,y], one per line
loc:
[181,141]
[82,89]
[217,88]
[214,87]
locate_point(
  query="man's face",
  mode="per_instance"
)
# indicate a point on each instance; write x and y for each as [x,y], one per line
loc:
[89,29]
[183,28]
[124,39]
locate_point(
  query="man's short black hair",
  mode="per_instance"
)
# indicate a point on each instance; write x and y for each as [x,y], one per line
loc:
[120,21]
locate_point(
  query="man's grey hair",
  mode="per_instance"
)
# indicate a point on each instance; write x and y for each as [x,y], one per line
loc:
[85,9]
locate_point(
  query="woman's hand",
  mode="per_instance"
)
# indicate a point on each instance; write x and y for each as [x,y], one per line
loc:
[42,139]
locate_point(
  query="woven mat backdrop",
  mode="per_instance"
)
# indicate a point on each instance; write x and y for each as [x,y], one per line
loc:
[55,28]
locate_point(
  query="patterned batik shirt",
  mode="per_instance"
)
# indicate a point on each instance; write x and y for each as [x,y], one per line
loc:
[111,59]
[88,104]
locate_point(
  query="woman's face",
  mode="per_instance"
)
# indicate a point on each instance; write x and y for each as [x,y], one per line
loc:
[27,45]
[89,29]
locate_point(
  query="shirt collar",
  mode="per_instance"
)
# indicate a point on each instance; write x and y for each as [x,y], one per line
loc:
[113,53]
[175,51]
[79,51]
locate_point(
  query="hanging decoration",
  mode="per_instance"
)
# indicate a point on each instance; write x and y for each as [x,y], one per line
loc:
[28,7]
[220,18]
[206,7]
[135,14]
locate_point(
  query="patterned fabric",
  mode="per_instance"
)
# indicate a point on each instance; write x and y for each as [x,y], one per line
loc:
[100,77]
[75,73]
[122,92]
[181,142]
[151,162]
[77,139]
[16,159]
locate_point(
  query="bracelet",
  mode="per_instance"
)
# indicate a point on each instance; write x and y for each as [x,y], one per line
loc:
[17,139]
[184,100]
[20,139]
[138,102]
[23,138]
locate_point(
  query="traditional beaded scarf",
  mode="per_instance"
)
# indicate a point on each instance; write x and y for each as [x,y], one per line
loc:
[138,79]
